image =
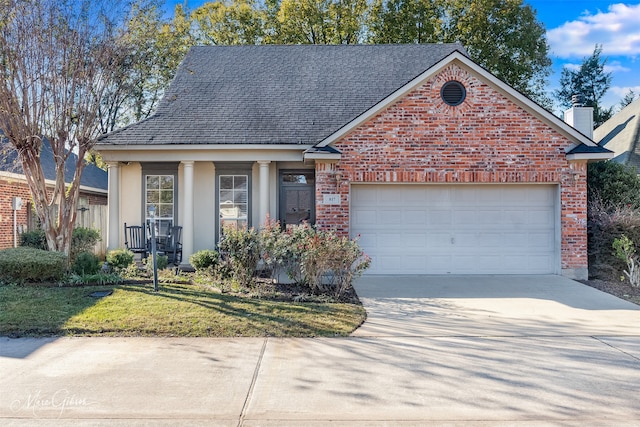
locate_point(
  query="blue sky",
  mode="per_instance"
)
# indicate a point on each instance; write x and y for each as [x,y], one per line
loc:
[573,29]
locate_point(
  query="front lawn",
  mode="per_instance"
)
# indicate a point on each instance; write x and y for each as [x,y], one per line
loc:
[184,310]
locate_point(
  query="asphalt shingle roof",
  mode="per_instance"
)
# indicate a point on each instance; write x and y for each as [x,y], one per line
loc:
[621,134]
[277,94]
[92,176]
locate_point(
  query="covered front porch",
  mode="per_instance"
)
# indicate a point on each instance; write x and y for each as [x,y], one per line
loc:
[202,194]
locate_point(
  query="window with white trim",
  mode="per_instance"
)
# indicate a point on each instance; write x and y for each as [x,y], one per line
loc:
[233,199]
[160,192]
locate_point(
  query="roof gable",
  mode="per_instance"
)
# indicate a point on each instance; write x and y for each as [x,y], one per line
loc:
[276,94]
[621,134]
[456,57]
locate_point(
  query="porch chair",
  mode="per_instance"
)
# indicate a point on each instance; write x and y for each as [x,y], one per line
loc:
[172,247]
[135,239]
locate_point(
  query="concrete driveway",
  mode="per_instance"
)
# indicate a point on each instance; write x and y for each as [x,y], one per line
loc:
[434,351]
[491,306]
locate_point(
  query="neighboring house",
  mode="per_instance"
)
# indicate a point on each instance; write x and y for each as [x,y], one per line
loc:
[621,135]
[438,166]
[93,191]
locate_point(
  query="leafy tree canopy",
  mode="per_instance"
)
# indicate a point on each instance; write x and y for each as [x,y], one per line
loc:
[590,82]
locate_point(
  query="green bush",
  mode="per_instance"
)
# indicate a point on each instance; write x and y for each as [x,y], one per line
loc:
[613,185]
[162,261]
[34,239]
[205,259]
[86,263]
[83,240]
[31,265]
[120,259]
[241,247]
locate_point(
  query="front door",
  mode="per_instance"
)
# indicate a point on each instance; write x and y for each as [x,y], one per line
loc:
[297,198]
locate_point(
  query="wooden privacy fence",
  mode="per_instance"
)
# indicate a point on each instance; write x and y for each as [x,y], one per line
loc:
[95,216]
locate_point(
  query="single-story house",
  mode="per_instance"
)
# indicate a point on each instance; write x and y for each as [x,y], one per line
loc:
[13,184]
[435,164]
[621,134]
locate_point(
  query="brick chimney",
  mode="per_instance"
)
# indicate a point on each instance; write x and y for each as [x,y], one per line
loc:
[580,117]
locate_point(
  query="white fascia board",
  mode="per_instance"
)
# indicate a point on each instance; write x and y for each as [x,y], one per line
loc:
[520,99]
[322,156]
[167,153]
[203,147]
[590,156]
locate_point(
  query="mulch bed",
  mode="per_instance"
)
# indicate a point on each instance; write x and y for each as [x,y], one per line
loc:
[619,288]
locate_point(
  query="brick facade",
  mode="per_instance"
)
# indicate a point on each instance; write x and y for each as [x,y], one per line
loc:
[486,139]
[10,188]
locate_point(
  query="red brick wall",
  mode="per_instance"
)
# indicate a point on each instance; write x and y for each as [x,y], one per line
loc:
[10,188]
[486,139]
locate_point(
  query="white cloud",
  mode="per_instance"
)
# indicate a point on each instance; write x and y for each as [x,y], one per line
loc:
[617,29]
[621,91]
[615,67]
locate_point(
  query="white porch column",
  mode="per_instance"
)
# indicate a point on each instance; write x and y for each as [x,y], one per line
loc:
[187,211]
[113,201]
[264,190]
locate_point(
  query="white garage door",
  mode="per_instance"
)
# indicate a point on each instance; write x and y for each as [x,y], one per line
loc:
[457,229]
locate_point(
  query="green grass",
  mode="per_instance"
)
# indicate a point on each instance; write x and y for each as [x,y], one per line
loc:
[176,310]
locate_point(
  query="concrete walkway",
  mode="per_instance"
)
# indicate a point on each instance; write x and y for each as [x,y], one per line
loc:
[435,351]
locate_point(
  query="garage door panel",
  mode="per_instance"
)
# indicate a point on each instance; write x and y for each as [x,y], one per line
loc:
[542,241]
[437,241]
[368,219]
[437,218]
[439,229]
[415,217]
[415,240]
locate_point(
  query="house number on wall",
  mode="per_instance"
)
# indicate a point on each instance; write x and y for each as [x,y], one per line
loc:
[330,199]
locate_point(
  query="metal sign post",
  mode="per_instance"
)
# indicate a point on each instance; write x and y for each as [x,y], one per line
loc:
[16,205]
[152,217]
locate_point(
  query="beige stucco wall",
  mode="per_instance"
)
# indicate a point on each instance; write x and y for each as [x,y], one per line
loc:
[130,196]
[204,206]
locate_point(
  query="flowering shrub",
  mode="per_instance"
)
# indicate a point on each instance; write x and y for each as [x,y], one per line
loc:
[283,250]
[331,263]
[320,260]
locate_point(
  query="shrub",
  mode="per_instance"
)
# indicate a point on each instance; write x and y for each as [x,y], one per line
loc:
[31,264]
[330,263]
[86,263]
[204,260]
[241,247]
[613,184]
[284,249]
[604,227]
[625,250]
[120,259]
[83,240]
[162,261]
[34,239]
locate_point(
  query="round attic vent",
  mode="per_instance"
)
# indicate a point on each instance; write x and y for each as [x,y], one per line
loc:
[453,93]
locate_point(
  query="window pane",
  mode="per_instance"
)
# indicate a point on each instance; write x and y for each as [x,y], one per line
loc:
[240,197]
[240,182]
[166,196]
[226,196]
[153,197]
[153,182]
[226,182]
[166,211]
[167,182]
